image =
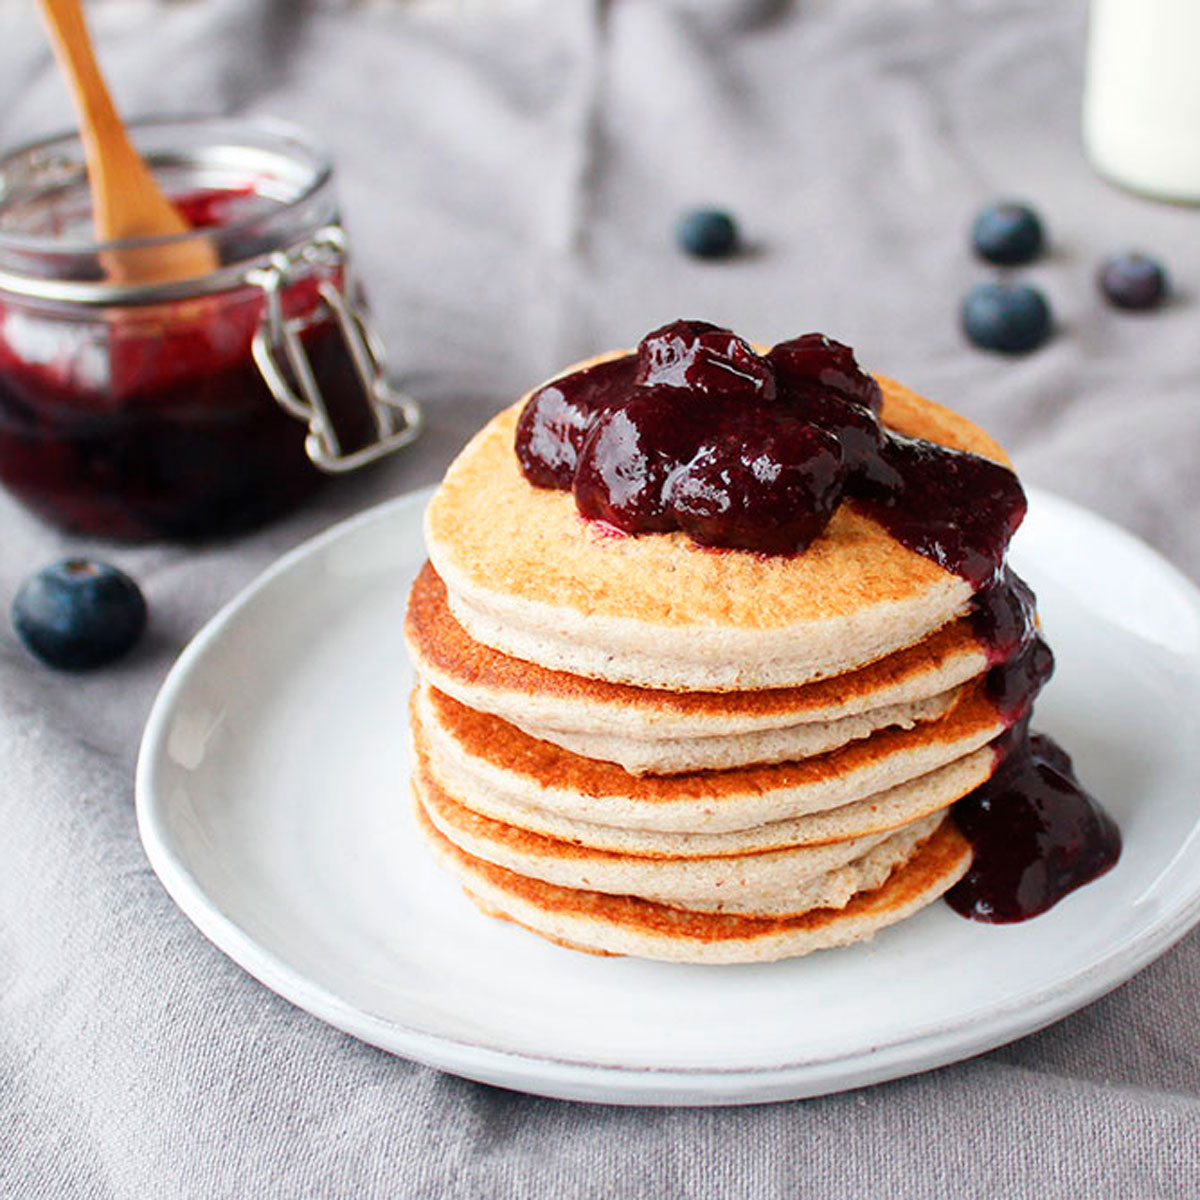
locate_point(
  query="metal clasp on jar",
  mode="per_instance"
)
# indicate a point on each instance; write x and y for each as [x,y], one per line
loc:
[397,417]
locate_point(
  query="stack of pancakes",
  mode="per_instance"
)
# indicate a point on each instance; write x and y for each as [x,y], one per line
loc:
[635,745]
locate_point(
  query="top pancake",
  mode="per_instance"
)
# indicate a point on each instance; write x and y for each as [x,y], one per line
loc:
[528,576]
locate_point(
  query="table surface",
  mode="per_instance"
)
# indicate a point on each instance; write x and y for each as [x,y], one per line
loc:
[510,174]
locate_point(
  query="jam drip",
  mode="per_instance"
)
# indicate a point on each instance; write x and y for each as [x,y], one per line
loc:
[958,509]
[1004,616]
[1004,619]
[1013,686]
[1037,835]
[698,432]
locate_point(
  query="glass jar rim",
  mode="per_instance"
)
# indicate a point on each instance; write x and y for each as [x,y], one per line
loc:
[269,126]
[264,136]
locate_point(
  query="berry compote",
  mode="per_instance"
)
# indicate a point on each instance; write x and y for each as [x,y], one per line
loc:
[1036,832]
[135,412]
[1004,619]
[696,431]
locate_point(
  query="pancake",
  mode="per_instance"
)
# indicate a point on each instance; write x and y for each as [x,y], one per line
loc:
[878,814]
[474,753]
[607,924]
[640,756]
[783,882]
[546,702]
[527,576]
[779,883]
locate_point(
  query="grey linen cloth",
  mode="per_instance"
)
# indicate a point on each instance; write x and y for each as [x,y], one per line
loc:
[510,177]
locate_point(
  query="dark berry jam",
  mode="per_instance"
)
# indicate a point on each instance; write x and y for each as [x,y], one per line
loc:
[153,421]
[694,356]
[958,509]
[1037,835]
[555,423]
[210,208]
[698,432]
[817,364]
[1004,618]
[777,464]
[1013,686]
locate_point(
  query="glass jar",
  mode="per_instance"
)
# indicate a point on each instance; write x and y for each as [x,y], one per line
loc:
[1141,97]
[196,407]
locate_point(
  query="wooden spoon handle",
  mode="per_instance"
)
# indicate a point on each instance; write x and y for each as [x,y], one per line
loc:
[126,199]
[127,202]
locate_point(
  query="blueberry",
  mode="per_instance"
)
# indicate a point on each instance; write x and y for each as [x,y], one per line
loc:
[627,458]
[705,358]
[707,233]
[766,482]
[1007,233]
[1133,280]
[814,361]
[77,614]
[1012,318]
[855,426]
[555,422]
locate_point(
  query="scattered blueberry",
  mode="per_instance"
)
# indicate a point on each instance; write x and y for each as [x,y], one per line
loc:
[707,233]
[77,614]
[1007,233]
[1012,318]
[1133,280]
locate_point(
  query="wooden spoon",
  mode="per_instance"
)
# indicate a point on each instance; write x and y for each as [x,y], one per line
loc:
[126,200]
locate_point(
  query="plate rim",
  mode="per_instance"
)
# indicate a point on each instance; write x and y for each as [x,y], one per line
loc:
[577,1078]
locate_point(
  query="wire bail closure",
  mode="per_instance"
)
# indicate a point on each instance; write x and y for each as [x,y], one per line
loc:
[397,416]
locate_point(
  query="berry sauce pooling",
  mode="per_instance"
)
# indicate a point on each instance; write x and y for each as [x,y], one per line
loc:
[698,432]
[1036,833]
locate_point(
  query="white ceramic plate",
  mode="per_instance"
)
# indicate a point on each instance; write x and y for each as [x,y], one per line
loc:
[273,803]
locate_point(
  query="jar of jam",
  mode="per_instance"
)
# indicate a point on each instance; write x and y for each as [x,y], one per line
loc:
[195,407]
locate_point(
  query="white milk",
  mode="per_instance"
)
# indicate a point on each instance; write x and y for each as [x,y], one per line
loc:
[1141,103]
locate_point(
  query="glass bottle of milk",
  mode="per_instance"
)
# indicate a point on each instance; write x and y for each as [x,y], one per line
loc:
[1141,103]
